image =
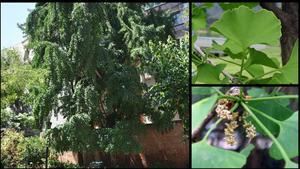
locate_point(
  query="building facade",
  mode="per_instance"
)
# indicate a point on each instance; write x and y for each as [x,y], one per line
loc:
[180,15]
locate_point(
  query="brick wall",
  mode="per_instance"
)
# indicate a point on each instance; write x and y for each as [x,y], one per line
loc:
[159,149]
[165,148]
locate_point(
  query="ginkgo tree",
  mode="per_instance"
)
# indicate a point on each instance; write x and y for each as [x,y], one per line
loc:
[242,27]
[255,113]
[95,53]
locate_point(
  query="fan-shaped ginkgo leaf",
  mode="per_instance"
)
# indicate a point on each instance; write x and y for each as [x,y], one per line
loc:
[207,156]
[244,27]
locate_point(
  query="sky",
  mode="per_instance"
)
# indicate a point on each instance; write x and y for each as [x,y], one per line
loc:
[11,14]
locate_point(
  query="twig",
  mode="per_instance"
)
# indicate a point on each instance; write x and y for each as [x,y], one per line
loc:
[98,74]
[196,135]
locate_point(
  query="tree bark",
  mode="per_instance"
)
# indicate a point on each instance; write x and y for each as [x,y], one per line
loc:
[288,15]
[80,158]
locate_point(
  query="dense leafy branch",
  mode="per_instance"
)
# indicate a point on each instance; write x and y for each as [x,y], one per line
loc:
[266,114]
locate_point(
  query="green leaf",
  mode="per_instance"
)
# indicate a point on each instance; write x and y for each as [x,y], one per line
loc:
[260,81]
[258,57]
[257,92]
[272,108]
[247,150]
[201,109]
[207,73]
[243,27]
[276,61]
[270,125]
[199,16]
[194,78]
[225,49]
[288,138]
[284,102]
[207,156]
[290,164]
[255,70]
[219,47]
[199,21]
[204,90]
[289,72]
[279,78]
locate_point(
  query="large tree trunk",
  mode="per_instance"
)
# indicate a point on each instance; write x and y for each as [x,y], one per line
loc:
[80,158]
[288,16]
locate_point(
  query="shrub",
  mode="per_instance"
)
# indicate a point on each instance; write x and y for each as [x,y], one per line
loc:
[34,151]
[10,151]
[19,151]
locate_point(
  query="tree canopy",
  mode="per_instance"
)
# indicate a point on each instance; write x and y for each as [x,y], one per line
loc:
[94,54]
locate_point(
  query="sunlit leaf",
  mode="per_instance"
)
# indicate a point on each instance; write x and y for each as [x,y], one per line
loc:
[289,72]
[244,27]
[255,70]
[258,57]
[207,156]
[288,138]
[207,73]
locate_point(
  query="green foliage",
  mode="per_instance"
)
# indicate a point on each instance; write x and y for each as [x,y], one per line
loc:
[199,16]
[212,73]
[21,121]
[204,90]
[168,96]
[18,79]
[19,85]
[289,72]
[10,150]
[92,52]
[6,116]
[20,151]
[243,27]
[207,156]
[58,164]
[273,108]
[271,117]
[34,152]
[288,134]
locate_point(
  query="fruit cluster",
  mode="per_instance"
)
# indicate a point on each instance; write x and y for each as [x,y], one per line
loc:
[223,112]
